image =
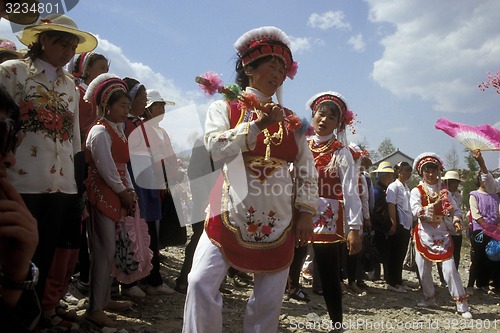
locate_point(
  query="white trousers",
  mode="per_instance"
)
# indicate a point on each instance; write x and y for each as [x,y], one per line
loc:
[450,274]
[203,307]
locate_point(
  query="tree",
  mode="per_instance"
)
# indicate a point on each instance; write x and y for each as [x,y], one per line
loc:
[452,159]
[386,148]
[469,178]
[493,81]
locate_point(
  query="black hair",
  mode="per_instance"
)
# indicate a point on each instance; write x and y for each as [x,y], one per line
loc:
[131,83]
[242,79]
[4,56]
[331,106]
[400,166]
[116,96]
[36,50]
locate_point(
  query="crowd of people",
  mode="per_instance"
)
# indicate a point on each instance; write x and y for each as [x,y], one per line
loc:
[67,184]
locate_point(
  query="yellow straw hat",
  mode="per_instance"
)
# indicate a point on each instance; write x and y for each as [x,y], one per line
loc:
[63,23]
[385,167]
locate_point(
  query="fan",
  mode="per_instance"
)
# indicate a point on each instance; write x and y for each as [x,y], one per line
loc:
[484,137]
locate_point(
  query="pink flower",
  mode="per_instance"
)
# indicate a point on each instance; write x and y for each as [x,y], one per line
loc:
[266,230]
[293,70]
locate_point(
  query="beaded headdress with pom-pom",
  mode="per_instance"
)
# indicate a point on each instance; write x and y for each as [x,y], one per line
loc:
[101,89]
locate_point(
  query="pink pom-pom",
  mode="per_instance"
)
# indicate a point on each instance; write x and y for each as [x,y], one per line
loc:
[211,84]
[293,70]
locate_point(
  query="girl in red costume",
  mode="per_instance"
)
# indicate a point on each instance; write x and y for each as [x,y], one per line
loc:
[433,204]
[253,232]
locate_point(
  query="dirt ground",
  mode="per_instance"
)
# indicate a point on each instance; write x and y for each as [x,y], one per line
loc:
[377,310]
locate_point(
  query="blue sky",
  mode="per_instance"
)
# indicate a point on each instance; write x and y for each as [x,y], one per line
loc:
[401,65]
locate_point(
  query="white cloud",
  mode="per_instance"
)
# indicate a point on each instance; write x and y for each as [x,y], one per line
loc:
[438,51]
[327,20]
[299,44]
[357,43]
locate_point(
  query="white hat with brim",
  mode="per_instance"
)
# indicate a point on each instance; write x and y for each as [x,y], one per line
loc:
[23,16]
[6,46]
[384,167]
[62,23]
[155,97]
[451,175]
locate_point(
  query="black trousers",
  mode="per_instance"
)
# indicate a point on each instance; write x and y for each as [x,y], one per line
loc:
[54,212]
[395,248]
[485,268]
[299,256]
[189,253]
[328,257]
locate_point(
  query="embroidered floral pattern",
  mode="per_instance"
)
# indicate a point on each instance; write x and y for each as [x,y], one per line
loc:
[257,229]
[326,219]
[46,111]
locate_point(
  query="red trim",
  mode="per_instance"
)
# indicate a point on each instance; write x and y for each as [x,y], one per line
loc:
[429,255]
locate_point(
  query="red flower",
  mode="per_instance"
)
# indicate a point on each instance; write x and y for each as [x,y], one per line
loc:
[266,230]
[271,213]
[53,169]
[253,227]
[251,210]
[65,136]
[329,213]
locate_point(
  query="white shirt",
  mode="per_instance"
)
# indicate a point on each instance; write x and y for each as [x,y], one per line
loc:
[399,194]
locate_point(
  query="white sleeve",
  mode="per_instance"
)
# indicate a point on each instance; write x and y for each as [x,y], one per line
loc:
[99,144]
[306,177]
[349,179]
[415,203]
[223,141]
[491,185]
[364,195]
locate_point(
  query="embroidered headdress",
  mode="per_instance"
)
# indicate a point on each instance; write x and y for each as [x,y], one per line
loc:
[425,158]
[264,41]
[79,64]
[101,89]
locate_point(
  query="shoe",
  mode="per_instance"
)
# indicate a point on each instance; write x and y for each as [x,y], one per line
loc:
[444,285]
[466,315]
[355,289]
[118,306]
[70,315]
[470,291]
[298,295]
[405,287]
[135,291]
[52,321]
[362,284]
[396,288]
[82,287]
[427,303]
[162,289]
[307,275]
[100,319]
[70,299]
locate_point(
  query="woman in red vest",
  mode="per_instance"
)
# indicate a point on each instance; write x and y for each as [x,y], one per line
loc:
[250,224]
[433,205]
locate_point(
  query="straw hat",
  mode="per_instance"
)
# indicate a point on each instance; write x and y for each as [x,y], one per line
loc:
[22,16]
[155,97]
[451,175]
[384,167]
[62,23]
[6,46]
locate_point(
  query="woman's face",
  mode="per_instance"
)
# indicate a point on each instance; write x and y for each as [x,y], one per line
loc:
[268,76]
[430,174]
[139,103]
[405,173]
[98,67]
[58,51]
[157,109]
[325,121]
[118,111]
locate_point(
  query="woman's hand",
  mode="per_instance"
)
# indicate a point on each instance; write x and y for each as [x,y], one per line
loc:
[354,244]
[128,199]
[303,228]
[271,114]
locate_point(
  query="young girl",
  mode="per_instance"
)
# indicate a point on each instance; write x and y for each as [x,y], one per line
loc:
[109,189]
[339,199]
[253,233]
[432,204]
[44,172]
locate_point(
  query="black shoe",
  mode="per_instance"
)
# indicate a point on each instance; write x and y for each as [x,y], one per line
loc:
[299,295]
[181,288]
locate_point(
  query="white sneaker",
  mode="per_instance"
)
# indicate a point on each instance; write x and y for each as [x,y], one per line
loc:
[70,299]
[467,315]
[135,291]
[398,289]
[426,303]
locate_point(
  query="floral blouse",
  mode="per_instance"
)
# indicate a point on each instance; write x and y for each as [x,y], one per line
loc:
[49,116]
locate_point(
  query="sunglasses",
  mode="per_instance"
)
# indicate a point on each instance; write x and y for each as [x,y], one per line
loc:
[9,138]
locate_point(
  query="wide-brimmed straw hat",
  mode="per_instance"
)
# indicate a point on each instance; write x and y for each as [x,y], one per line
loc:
[384,167]
[452,175]
[155,97]
[7,46]
[56,22]
[21,16]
